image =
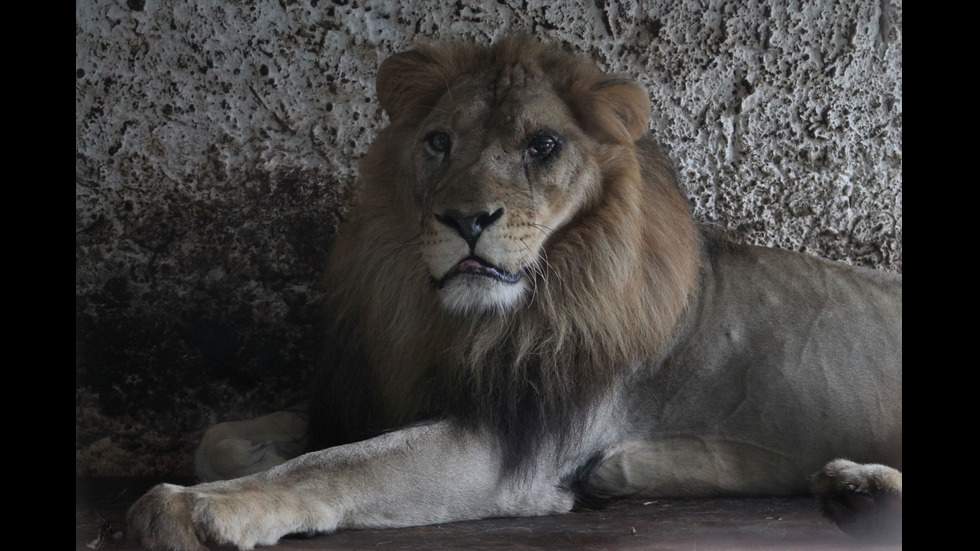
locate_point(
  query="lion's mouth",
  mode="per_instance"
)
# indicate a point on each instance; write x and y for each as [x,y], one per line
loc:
[476,266]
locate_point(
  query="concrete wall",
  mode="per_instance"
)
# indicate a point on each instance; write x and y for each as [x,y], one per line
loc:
[216,147]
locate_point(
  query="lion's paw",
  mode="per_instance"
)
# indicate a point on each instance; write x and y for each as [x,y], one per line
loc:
[163,519]
[183,518]
[865,500]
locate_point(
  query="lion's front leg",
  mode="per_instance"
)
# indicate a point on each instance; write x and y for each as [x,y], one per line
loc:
[421,475]
[239,448]
[865,500]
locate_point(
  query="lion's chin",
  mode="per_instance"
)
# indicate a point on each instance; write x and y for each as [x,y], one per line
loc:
[468,294]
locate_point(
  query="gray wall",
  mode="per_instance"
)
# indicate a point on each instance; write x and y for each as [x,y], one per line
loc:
[216,147]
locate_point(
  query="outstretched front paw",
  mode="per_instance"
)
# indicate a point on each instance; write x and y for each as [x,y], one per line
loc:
[229,512]
[865,500]
[163,519]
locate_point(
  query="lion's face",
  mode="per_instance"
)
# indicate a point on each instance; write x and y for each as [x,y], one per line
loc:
[499,150]
[498,170]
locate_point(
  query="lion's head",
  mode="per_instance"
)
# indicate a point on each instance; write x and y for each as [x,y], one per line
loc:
[518,240]
[500,150]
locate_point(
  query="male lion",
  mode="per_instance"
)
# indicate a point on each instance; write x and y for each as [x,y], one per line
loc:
[521,288]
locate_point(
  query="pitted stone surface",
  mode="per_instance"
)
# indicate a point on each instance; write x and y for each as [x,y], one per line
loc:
[216,148]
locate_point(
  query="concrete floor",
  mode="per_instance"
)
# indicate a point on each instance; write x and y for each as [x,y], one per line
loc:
[681,524]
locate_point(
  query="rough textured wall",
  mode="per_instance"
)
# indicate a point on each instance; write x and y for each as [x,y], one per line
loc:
[216,147]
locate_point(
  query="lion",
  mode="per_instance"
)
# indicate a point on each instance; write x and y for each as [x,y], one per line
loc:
[524,316]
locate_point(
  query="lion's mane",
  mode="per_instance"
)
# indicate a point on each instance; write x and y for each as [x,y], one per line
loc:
[616,280]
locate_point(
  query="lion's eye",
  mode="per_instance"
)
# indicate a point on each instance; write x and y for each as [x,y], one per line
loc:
[439,142]
[541,145]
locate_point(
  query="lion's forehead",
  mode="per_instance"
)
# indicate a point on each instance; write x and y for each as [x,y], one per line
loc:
[478,105]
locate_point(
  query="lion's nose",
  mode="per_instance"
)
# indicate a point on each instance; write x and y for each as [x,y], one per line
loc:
[469,226]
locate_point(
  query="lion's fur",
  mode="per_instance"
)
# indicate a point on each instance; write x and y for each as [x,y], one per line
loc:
[522,303]
[615,282]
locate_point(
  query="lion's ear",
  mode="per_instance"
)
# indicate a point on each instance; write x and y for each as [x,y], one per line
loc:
[413,78]
[614,109]
[399,77]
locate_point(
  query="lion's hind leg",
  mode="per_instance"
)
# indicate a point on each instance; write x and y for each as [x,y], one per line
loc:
[238,448]
[865,500]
